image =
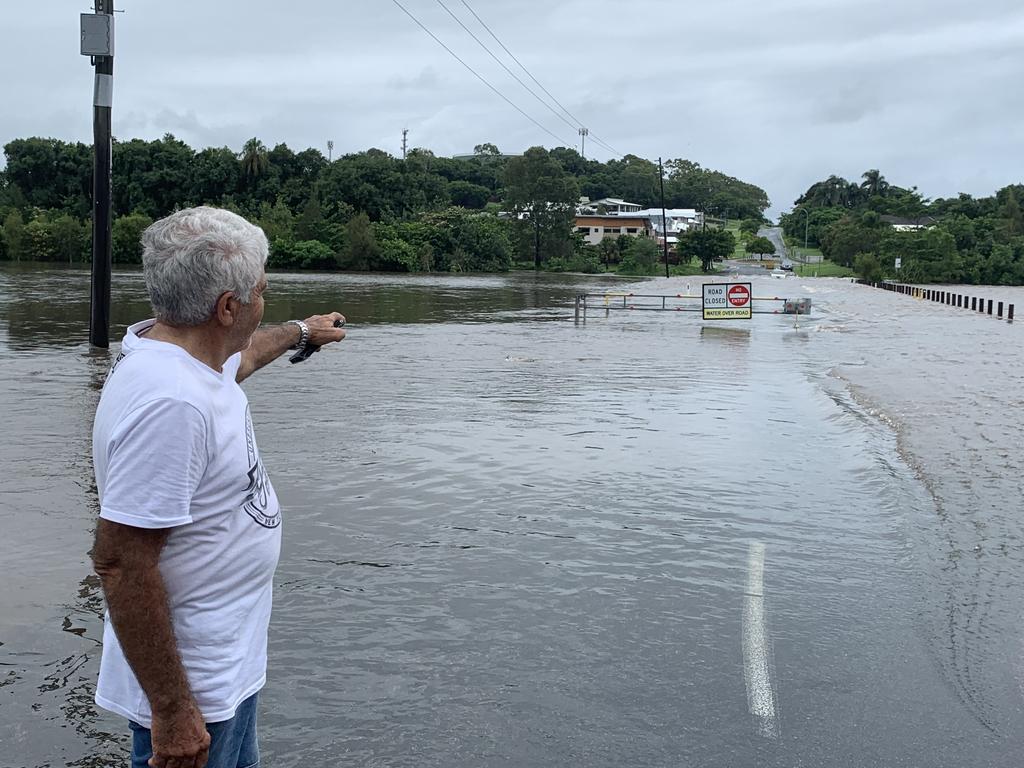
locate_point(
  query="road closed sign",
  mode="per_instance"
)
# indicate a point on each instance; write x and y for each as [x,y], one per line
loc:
[727,301]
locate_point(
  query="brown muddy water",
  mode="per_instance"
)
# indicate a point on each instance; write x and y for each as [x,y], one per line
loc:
[511,540]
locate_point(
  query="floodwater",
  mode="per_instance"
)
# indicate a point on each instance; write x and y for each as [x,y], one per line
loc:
[512,540]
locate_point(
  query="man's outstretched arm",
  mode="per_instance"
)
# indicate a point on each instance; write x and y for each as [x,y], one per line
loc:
[272,341]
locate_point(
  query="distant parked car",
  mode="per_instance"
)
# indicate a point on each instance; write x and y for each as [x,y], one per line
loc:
[786,265]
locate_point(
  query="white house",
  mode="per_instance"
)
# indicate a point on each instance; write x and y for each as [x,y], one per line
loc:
[606,206]
[637,223]
[677,221]
[901,224]
[596,228]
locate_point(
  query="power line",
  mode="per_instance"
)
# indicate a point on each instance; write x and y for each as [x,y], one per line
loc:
[479,76]
[521,66]
[579,123]
[504,66]
[607,146]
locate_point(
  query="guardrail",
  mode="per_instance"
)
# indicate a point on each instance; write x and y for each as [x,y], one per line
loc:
[958,300]
[642,302]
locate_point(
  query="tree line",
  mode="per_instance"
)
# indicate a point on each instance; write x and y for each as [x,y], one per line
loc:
[363,211]
[977,241]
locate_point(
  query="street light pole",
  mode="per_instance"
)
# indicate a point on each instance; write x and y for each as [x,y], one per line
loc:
[807,224]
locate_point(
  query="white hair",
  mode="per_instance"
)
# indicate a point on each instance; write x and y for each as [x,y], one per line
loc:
[193,256]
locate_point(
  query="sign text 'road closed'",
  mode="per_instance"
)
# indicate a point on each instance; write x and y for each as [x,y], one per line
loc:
[727,301]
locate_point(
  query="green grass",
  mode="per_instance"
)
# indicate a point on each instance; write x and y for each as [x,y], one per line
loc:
[824,269]
[739,251]
[692,268]
[798,248]
[803,253]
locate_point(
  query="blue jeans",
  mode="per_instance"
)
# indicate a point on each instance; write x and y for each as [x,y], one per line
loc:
[232,742]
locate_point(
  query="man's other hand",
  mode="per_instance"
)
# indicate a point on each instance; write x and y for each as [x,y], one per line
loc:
[180,739]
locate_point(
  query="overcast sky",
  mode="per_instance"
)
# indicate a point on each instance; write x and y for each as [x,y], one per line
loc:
[780,93]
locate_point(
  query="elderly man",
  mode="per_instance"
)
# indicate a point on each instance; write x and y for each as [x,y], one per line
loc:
[190,527]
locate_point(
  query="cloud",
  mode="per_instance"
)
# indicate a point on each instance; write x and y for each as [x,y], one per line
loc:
[426,79]
[780,94]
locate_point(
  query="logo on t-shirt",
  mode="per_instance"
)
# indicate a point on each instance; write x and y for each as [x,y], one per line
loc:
[257,494]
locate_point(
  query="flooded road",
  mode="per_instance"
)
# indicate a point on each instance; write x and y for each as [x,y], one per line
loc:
[512,540]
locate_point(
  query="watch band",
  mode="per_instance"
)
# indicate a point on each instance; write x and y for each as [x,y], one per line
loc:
[307,352]
[303,334]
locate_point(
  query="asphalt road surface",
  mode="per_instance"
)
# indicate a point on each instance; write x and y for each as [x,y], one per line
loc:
[745,268]
[775,235]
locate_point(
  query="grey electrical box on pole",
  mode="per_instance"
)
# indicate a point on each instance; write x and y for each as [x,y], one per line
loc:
[97,34]
[98,42]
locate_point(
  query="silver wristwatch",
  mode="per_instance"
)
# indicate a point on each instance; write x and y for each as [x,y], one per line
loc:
[303,334]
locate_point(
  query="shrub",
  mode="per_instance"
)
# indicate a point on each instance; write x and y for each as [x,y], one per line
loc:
[301,254]
[640,258]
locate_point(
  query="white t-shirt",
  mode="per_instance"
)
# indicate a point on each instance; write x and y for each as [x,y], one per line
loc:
[173,447]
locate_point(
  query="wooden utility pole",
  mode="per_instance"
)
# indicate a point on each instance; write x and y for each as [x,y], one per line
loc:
[664,224]
[98,42]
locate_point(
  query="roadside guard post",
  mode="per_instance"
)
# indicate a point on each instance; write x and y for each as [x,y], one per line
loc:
[728,301]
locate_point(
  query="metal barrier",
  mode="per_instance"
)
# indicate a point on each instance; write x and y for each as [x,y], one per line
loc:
[642,302]
[961,301]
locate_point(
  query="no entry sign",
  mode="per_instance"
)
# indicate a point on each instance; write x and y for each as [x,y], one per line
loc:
[739,295]
[727,301]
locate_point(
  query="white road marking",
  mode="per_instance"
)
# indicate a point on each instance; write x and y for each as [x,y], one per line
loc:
[756,665]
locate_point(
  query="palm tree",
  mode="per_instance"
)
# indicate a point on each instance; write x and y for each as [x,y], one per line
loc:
[874,183]
[814,196]
[836,190]
[254,158]
[854,195]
